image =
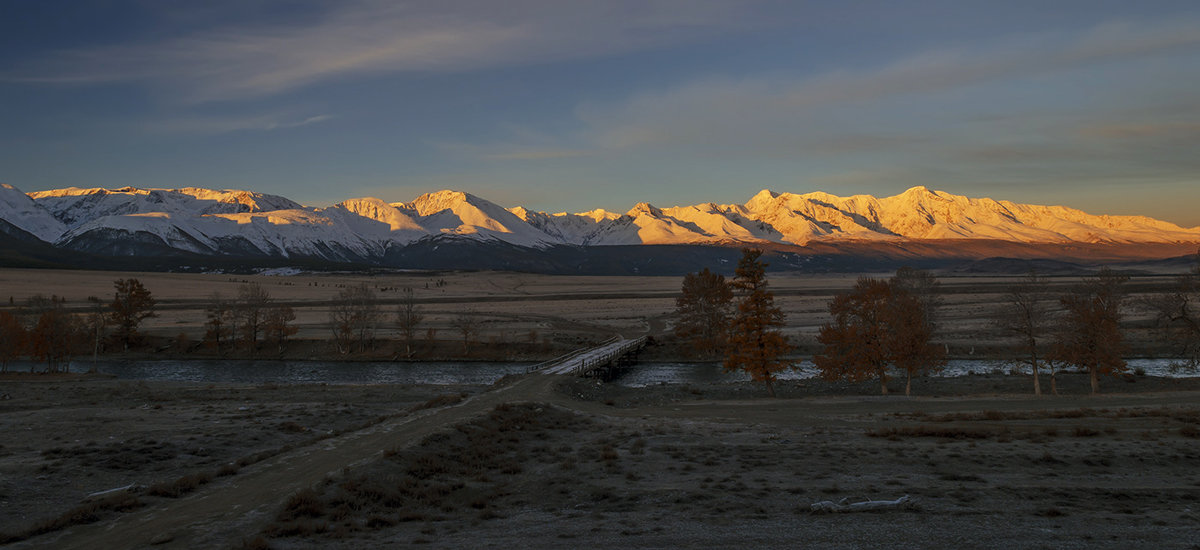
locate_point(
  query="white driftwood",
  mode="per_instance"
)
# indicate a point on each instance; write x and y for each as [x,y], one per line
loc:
[110,491]
[829,506]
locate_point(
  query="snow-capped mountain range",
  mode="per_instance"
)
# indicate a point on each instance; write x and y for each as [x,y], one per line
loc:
[133,221]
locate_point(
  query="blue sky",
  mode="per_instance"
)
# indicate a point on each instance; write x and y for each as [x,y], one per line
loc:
[571,105]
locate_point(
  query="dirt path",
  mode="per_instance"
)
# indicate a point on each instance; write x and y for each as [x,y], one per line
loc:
[225,511]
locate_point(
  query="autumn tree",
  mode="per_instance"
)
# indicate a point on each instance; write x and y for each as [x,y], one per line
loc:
[756,346]
[1090,336]
[12,339]
[250,312]
[355,317]
[131,305]
[1025,315]
[408,318]
[702,309]
[854,341]
[1177,314]
[910,337]
[877,325]
[56,337]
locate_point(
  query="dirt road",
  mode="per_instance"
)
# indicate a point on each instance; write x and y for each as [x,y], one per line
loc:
[223,512]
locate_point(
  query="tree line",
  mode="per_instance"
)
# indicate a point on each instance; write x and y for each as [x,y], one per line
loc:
[882,326]
[45,330]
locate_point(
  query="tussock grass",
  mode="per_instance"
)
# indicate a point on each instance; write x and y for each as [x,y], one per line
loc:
[88,512]
[1188,416]
[465,469]
[181,486]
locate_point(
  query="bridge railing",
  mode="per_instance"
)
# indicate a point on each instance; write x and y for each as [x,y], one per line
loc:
[588,365]
[571,355]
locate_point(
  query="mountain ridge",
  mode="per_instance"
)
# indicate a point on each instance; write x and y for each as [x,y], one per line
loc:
[210,222]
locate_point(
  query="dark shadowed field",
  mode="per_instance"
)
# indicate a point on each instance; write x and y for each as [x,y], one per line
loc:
[545,462]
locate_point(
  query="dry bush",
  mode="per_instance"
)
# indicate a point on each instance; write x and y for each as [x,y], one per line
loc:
[256,543]
[304,504]
[932,431]
[291,427]
[440,401]
[181,486]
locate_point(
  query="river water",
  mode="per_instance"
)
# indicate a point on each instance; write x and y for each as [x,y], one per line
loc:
[452,373]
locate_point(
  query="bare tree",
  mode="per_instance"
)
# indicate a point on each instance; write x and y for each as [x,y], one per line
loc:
[408,317]
[250,312]
[277,326]
[1177,314]
[1091,332]
[95,321]
[355,317]
[219,318]
[467,324]
[1024,315]
[923,286]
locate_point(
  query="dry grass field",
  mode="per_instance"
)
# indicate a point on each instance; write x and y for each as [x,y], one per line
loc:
[543,461]
[551,312]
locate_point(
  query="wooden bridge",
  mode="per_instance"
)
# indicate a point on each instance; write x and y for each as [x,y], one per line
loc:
[597,361]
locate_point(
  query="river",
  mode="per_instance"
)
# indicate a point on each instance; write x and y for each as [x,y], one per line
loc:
[453,373]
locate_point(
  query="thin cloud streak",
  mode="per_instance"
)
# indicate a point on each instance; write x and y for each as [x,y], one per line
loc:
[216,125]
[544,154]
[378,37]
[743,114]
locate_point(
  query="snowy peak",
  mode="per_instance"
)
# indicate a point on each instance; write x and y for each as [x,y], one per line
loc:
[458,213]
[20,210]
[380,211]
[74,206]
[644,209]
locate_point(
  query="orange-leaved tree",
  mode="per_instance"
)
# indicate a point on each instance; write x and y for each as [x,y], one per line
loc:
[854,342]
[131,305]
[755,343]
[703,311]
[13,339]
[876,325]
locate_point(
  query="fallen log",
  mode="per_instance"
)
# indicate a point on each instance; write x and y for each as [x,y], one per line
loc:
[831,507]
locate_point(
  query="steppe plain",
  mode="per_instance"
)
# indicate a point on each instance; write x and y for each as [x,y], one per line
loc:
[547,462]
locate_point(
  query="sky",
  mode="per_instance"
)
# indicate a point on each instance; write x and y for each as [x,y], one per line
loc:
[561,105]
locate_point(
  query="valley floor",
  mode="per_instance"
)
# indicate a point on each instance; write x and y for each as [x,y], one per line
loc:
[546,462]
